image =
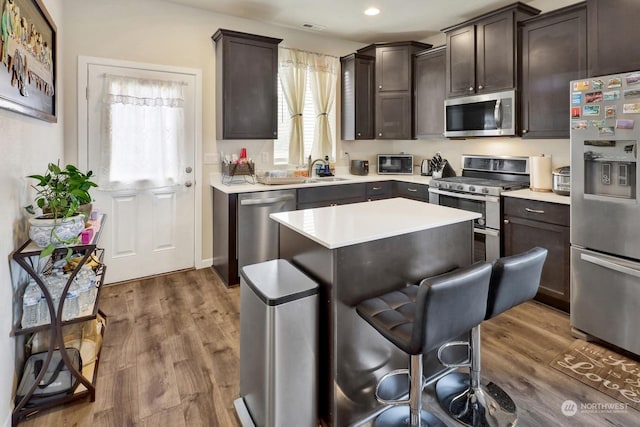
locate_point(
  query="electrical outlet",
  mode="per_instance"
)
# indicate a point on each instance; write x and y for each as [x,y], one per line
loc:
[265,157]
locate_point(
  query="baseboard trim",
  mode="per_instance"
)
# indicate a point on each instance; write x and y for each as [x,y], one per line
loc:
[204,263]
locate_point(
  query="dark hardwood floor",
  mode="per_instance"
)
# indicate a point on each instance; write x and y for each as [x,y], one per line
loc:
[171,358]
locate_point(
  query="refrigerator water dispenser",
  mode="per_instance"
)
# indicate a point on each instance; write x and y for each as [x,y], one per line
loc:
[610,168]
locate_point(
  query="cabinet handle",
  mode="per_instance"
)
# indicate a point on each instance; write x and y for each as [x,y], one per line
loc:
[471,89]
[359,134]
[376,188]
[380,87]
[413,190]
[380,134]
[480,87]
[524,131]
[538,211]
[275,133]
[506,221]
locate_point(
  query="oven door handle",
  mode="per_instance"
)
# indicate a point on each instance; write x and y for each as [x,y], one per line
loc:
[487,232]
[490,199]
[610,265]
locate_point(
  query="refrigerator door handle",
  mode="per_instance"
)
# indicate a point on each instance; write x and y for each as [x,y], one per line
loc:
[610,265]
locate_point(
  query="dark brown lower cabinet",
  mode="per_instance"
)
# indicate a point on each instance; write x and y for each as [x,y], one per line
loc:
[408,190]
[529,223]
[379,190]
[318,197]
[225,221]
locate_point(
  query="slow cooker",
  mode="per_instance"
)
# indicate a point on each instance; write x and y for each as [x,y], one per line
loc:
[562,180]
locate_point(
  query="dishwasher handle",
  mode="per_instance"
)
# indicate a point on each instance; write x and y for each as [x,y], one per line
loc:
[267,200]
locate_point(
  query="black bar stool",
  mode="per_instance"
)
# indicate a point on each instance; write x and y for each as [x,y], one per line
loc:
[514,280]
[418,319]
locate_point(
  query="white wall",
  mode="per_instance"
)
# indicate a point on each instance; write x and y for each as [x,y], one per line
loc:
[166,33]
[27,146]
[452,150]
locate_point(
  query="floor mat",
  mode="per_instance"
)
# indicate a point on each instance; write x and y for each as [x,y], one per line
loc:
[605,370]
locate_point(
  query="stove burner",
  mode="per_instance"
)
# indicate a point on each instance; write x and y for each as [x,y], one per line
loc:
[477,185]
[487,175]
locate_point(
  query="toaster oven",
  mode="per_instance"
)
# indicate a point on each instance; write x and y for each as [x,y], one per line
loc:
[395,164]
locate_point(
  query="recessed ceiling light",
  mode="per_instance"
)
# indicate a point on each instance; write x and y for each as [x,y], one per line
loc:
[372,11]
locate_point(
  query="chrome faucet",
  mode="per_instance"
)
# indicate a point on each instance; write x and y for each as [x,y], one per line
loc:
[310,166]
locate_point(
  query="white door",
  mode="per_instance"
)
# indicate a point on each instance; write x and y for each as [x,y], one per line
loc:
[149,229]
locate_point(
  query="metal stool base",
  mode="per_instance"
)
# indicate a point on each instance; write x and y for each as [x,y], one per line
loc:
[492,407]
[399,416]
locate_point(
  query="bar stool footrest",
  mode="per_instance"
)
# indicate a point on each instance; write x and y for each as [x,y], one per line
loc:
[399,416]
[487,406]
[393,387]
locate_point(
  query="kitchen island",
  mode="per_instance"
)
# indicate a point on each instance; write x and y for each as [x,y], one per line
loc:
[355,252]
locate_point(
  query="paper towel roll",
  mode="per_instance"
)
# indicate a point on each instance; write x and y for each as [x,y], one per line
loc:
[540,169]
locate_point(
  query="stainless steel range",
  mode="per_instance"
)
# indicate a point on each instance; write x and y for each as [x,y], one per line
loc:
[483,179]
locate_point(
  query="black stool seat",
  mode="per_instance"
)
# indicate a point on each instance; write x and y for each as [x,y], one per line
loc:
[418,319]
[514,280]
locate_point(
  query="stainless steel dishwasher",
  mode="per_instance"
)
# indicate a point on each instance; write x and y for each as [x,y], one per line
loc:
[257,233]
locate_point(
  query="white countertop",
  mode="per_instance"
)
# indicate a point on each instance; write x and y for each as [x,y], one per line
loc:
[540,196]
[344,225]
[238,186]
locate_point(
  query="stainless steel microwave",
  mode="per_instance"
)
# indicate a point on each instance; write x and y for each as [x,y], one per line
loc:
[396,164]
[491,114]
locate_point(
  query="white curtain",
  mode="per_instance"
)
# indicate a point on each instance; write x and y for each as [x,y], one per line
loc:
[293,74]
[143,133]
[323,73]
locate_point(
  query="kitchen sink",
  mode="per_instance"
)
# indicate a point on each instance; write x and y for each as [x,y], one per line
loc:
[324,179]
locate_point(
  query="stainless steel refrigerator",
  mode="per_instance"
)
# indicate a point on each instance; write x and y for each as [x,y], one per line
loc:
[605,214]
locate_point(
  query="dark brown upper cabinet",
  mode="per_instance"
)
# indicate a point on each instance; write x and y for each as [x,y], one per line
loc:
[429,87]
[394,88]
[358,96]
[246,85]
[554,52]
[481,53]
[613,44]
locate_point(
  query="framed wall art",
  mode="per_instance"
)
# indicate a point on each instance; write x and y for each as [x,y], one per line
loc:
[28,59]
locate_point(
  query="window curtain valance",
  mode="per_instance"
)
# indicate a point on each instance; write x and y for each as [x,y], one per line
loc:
[149,92]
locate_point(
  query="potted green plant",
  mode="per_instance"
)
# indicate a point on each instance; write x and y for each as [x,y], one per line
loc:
[59,194]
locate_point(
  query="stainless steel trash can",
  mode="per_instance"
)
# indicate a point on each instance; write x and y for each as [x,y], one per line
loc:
[278,346]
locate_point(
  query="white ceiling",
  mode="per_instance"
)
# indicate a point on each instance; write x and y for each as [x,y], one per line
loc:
[399,20]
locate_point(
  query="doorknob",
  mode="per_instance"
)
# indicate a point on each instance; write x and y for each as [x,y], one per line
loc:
[188,184]
[188,169]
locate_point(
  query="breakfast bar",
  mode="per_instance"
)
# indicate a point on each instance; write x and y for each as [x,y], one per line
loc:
[355,252]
